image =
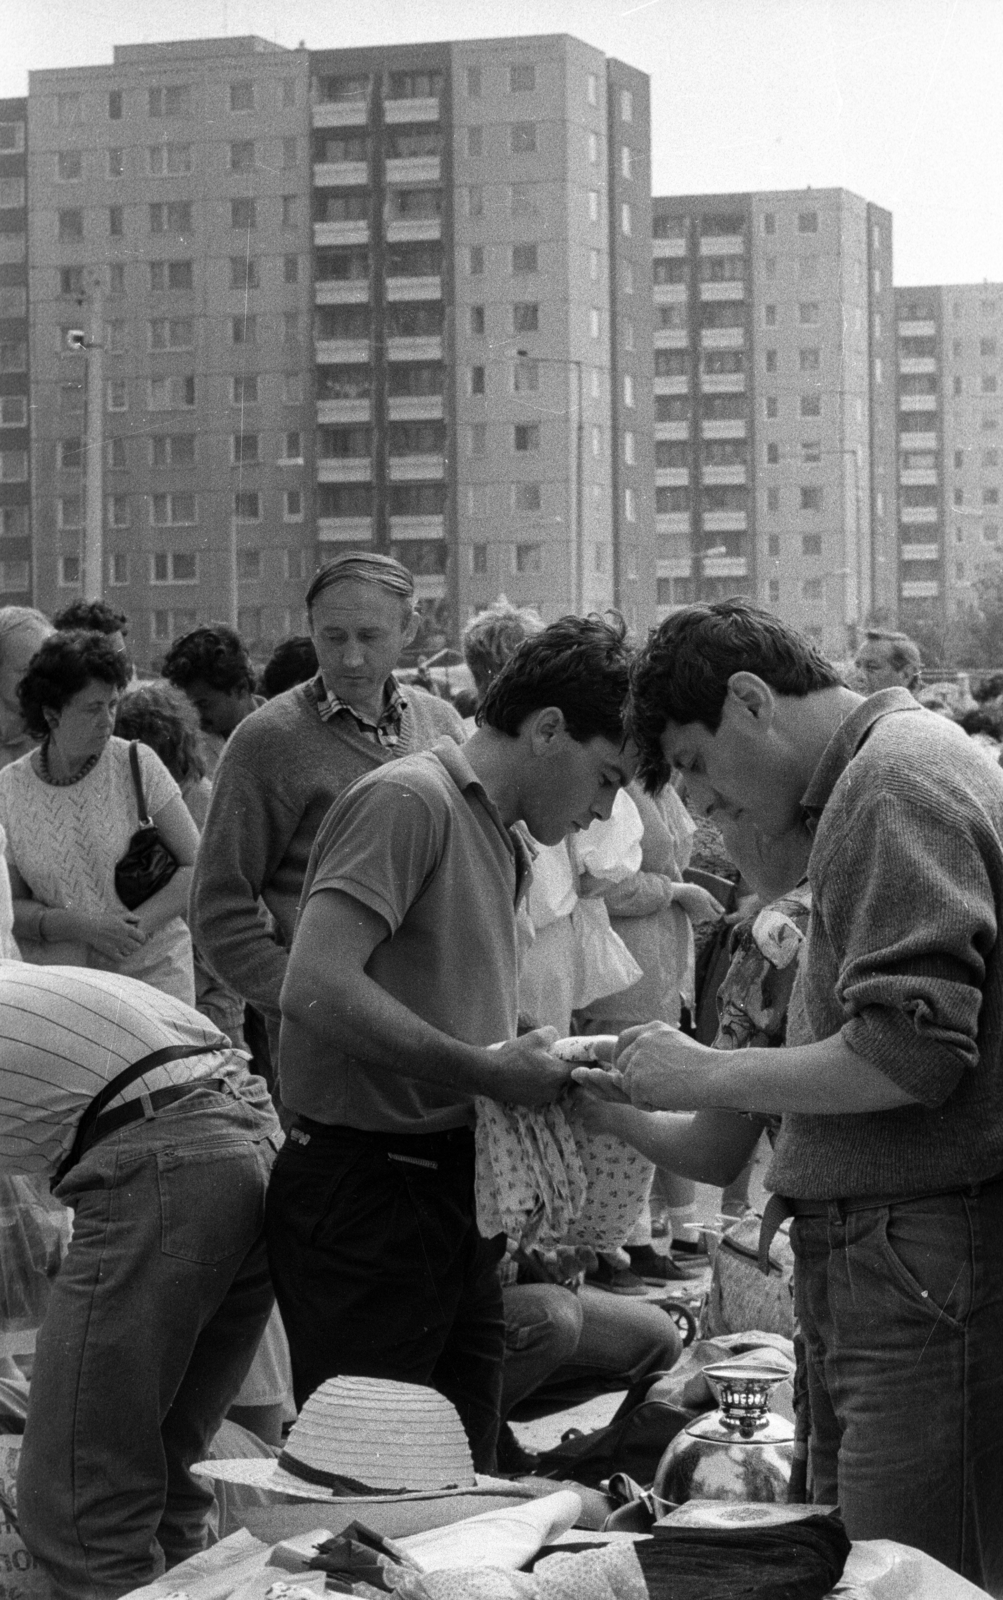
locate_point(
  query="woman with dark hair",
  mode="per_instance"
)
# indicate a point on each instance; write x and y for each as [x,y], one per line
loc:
[69,810]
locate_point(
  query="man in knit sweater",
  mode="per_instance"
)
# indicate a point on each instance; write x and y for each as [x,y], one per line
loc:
[890,1153]
[285,765]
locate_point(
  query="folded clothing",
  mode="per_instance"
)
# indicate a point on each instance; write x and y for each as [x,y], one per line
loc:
[796,1561]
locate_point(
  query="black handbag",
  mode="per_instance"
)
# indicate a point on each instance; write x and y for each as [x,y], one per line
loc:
[147,864]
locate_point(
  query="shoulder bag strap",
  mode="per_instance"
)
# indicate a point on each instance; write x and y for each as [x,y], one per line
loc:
[114,1086]
[137,779]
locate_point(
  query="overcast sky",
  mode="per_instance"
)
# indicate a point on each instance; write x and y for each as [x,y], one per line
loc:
[898,100]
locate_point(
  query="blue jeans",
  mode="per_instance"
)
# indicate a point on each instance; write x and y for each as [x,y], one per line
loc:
[901,1311]
[152,1324]
[556,1337]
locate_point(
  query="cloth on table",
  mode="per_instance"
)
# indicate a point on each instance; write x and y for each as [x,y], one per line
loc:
[609,1572]
[794,1561]
[543,1179]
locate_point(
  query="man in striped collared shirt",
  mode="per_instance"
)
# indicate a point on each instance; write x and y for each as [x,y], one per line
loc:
[163,1295]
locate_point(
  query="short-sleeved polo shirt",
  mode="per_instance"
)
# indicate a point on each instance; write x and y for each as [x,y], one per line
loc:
[420,843]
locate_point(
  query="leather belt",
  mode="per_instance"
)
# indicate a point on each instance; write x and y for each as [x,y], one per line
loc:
[134,1110]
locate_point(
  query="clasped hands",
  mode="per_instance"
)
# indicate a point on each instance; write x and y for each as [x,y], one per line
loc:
[653,1067]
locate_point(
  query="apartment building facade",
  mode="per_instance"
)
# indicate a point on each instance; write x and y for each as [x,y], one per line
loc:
[950,404]
[775,406]
[15,411]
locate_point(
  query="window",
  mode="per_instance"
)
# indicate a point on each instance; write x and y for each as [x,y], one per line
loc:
[292,505]
[116,222]
[475,200]
[990,497]
[626,220]
[242,155]
[290,269]
[529,558]
[475,140]
[173,100]
[626,106]
[989,384]
[478,559]
[167,625]
[115,163]
[769,222]
[292,446]
[172,450]
[172,216]
[526,317]
[522,138]
[593,145]
[115,105]
[13,356]
[630,505]
[247,506]
[170,394]
[114,336]
[290,329]
[172,333]
[290,211]
[628,390]
[70,511]
[118,395]
[812,589]
[772,405]
[118,569]
[69,571]
[525,375]
[525,259]
[290,153]
[71,281]
[242,96]
[118,511]
[956,385]
[987,347]
[170,275]
[771,361]
[527,497]
[173,510]
[243,272]
[811,450]
[527,436]
[593,205]
[244,449]
[474,81]
[476,264]
[809,358]
[773,504]
[626,161]
[13,466]
[477,322]
[287,94]
[69,168]
[990,458]
[169,160]
[811,405]
[808,312]
[811,544]
[522,199]
[248,566]
[11,137]
[174,566]
[13,411]
[477,380]
[243,214]
[959,459]
[68,108]
[522,78]
[71,223]
[477,439]
[807,222]
[770,316]
[773,455]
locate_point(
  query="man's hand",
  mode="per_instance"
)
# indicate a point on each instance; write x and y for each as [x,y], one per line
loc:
[600,1083]
[698,903]
[662,1069]
[524,1073]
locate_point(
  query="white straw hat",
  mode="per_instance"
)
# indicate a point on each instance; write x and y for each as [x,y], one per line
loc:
[367,1439]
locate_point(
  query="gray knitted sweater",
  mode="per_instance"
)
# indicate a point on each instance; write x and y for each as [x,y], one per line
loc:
[282,769]
[903,956]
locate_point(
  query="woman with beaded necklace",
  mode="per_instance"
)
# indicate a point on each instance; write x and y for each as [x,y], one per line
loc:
[69,809]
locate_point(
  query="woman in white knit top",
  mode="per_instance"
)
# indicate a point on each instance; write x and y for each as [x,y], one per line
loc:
[69,810]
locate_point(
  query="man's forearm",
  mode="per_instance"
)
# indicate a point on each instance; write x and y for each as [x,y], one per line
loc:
[825,1078]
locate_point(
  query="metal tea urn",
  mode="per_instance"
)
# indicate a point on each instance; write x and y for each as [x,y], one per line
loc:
[743,1451]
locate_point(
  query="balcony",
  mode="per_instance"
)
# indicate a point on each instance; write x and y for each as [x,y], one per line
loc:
[732,289]
[672,477]
[343,411]
[912,476]
[412,469]
[344,469]
[723,428]
[414,288]
[351,530]
[411,230]
[671,338]
[725,522]
[340,174]
[675,567]
[413,169]
[920,589]
[917,402]
[723,244]
[424,110]
[669,294]
[725,566]
[341,292]
[910,516]
[415,407]
[722,382]
[341,233]
[917,441]
[722,338]
[672,430]
[735,472]
[669,522]
[340,114]
[919,552]
[917,330]
[679,385]
[341,352]
[910,365]
[427,347]
[668,247]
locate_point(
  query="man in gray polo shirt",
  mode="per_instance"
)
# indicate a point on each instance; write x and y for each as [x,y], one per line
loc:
[402,973]
[890,1153]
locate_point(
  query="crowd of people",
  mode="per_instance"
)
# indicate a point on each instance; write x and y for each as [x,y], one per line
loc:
[367,920]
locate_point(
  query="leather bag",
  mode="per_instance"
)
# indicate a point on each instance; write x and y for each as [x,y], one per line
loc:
[147,864]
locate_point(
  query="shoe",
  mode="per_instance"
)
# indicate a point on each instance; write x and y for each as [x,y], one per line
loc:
[513,1460]
[615,1280]
[653,1267]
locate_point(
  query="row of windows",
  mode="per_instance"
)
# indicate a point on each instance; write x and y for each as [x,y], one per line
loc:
[174,217]
[179,450]
[727,224]
[178,333]
[179,510]
[179,275]
[171,100]
[178,392]
[521,79]
[173,158]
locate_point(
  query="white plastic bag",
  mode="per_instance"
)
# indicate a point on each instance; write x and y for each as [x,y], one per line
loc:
[605,965]
[611,850]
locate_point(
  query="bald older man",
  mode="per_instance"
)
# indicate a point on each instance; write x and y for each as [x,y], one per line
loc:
[22,630]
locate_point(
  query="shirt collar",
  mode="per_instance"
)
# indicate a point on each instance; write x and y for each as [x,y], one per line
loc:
[387,727]
[463,775]
[845,743]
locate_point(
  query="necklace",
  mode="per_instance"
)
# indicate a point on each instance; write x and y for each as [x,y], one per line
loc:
[63,783]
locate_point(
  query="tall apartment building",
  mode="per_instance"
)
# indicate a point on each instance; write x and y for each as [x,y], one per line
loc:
[775,406]
[950,338]
[15,452]
[481,238]
[169,223]
[395,297]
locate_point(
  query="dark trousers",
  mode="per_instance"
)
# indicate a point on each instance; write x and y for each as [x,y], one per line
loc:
[379,1269]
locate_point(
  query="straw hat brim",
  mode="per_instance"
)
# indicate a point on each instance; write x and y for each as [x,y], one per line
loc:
[260,1472]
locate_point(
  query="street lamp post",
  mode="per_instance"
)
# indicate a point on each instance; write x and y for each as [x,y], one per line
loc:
[92,345]
[578,534]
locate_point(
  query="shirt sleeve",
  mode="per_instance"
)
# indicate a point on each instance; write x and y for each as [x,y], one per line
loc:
[159,788]
[380,843]
[910,907]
